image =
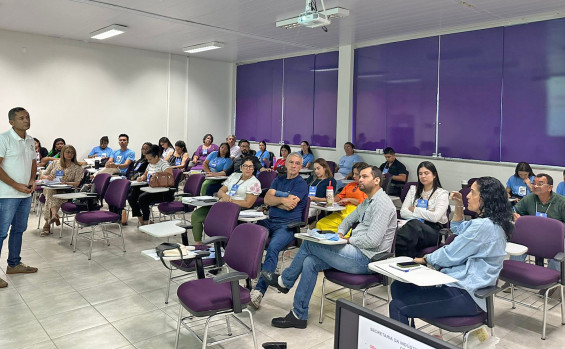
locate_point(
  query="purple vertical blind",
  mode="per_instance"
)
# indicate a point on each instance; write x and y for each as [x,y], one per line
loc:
[533,109]
[470,92]
[325,99]
[259,101]
[395,96]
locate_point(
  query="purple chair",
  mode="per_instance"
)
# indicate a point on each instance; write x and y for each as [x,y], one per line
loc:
[266,179]
[222,295]
[544,238]
[386,181]
[332,166]
[177,176]
[191,188]
[218,225]
[115,197]
[69,209]
[267,163]
[403,194]
[464,192]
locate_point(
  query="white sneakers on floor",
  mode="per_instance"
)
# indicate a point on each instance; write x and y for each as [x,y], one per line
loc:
[256,297]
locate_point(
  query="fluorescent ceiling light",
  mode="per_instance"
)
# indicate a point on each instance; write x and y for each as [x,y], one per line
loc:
[108,32]
[334,12]
[203,47]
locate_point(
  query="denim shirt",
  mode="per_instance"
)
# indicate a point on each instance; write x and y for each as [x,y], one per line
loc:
[474,258]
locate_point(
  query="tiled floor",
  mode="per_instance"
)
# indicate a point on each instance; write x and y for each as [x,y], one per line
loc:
[116,300]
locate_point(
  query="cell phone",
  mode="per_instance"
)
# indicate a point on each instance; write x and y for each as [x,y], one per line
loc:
[408,265]
[29,186]
[323,204]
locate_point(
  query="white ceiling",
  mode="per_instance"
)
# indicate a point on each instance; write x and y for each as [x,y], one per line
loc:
[247,27]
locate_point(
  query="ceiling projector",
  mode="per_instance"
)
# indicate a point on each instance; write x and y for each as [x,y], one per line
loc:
[313,19]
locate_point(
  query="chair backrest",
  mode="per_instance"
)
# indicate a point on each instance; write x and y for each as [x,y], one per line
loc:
[221,219]
[471,181]
[266,178]
[85,176]
[245,249]
[464,192]
[194,184]
[386,182]
[117,194]
[306,211]
[129,171]
[543,236]
[177,176]
[405,190]
[332,165]
[101,182]
[267,163]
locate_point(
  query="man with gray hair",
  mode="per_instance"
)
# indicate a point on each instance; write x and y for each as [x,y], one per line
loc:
[287,199]
[234,149]
[17,182]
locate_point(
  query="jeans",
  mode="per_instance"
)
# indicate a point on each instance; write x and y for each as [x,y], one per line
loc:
[281,236]
[140,202]
[14,212]
[313,258]
[411,301]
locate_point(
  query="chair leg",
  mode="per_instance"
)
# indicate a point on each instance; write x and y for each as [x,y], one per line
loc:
[228,325]
[321,319]
[562,306]
[75,237]
[205,336]
[91,241]
[40,216]
[178,327]
[62,224]
[364,296]
[169,286]
[252,328]
[512,296]
[350,295]
[122,235]
[544,322]
[465,339]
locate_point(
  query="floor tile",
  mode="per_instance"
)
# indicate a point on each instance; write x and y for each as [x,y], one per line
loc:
[72,321]
[51,305]
[107,292]
[105,336]
[122,308]
[141,327]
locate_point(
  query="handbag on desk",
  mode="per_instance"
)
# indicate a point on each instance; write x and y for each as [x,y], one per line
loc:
[162,180]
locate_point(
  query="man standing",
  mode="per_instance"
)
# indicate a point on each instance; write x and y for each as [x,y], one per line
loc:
[121,158]
[287,199]
[17,182]
[396,169]
[376,223]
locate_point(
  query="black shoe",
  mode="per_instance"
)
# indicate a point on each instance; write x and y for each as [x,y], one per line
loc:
[273,280]
[289,321]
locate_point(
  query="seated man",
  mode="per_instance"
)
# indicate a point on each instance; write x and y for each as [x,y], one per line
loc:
[119,160]
[376,224]
[103,151]
[234,149]
[396,169]
[287,200]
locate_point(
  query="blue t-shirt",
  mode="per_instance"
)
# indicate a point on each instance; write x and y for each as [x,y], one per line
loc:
[262,156]
[518,187]
[216,163]
[296,186]
[104,153]
[308,158]
[346,163]
[561,189]
[120,157]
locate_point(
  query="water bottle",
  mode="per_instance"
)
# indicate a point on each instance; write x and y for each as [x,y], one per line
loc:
[330,195]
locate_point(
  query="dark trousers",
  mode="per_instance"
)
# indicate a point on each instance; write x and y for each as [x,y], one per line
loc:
[141,201]
[415,236]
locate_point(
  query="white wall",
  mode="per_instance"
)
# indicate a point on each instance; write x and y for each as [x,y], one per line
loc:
[81,91]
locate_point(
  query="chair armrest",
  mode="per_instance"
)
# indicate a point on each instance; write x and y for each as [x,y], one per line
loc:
[381,256]
[295,225]
[487,291]
[560,257]
[201,253]
[182,194]
[229,277]
[214,239]
[445,232]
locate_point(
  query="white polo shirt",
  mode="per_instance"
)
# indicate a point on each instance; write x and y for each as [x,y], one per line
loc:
[18,156]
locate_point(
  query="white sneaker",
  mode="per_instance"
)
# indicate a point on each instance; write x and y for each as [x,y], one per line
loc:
[256,297]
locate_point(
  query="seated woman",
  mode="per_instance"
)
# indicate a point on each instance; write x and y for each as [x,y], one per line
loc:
[67,171]
[166,148]
[307,156]
[40,152]
[425,206]
[350,197]
[203,151]
[241,188]
[140,165]
[520,184]
[474,258]
[140,201]
[180,156]
[279,165]
[318,183]
[346,162]
[55,151]
[217,161]
[561,187]
[263,154]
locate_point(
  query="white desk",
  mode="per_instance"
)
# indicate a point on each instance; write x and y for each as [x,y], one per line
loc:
[138,184]
[58,186]
[154,190]
[305,236]
[422,276]
[217,178]
[251,216]
[513,249]
[92,170]
[70,196]
[333,208]
[163,229]
[199,200]
[192,172]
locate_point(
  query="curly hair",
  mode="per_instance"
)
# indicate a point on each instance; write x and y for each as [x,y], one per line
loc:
[495,204]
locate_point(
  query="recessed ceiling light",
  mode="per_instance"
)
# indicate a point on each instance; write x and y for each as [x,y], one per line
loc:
[108,32]
[203,47]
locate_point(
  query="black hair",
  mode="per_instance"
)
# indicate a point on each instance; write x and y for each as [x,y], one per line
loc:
[495,204]
[524,167]
[182,145]
[284,146]
[351,144]
[38,142]
[104,139]
[227,154]
[242,141]
[123,135]
[359,166]
[13,111]
[308,145]
[248,158]
[389,151]
[142,157]
[154,151]
[377,173]
[54,150]
[549,178]
[420,187]
[165,140]
[264,143]
[206,136]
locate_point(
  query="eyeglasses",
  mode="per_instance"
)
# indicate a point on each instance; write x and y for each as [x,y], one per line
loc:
[247,166]
[539,184]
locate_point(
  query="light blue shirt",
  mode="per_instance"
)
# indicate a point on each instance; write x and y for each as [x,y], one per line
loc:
[104,153]
[216,163]
[120,157]
[346,163]
[561,189]
[263,156]
[514,183]
[306,159]
[474,257]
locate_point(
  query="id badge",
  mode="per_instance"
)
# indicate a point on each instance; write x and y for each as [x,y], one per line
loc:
[422,204]
[214,163]
[385,170]
[522,190]
[149,177]
[204,151]
[137,166]
[233,190]
[103,155]
[59,174]
[312,191]
[178,162]
[539,214]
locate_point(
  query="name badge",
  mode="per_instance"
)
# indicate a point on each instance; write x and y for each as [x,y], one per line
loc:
[312,191]
[522,190]
[59,174]
[214,163]
[137,166]
[204,151]
[118,159]
[233,190]
[342,163]
[178,162]
[385,170]
[149,177]
[103,155]
[422,204]
[539,214]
